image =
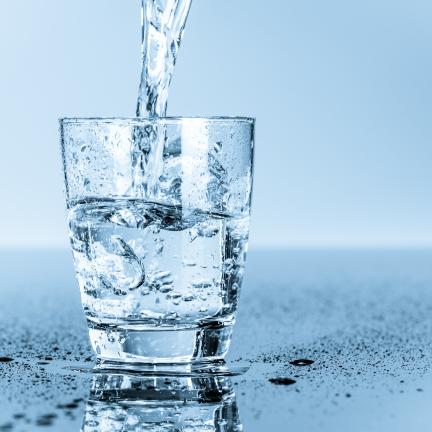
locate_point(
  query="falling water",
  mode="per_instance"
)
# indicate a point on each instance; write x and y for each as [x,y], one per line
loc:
[163,22]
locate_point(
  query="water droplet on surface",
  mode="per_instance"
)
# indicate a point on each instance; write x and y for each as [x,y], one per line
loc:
[301,362]
[159,247]
[218,146]
[193,234]
[282,381]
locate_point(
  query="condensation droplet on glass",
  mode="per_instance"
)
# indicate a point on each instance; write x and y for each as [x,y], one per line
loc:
[188,263]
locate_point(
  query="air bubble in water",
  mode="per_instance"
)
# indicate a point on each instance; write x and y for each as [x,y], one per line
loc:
[202,284]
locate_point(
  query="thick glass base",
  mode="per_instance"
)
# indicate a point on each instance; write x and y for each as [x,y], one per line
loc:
[141,344]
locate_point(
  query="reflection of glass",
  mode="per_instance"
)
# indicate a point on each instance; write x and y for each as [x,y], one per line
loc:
[127,402]
[158,213]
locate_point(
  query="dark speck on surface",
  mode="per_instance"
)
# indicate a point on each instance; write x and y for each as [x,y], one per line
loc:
[5,359]
[46,420]
[282,381]
[71,405]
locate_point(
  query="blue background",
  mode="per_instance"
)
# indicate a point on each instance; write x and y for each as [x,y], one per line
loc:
[341,91]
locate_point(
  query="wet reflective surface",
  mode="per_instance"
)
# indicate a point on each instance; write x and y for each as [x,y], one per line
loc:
[324,341]
[123,402]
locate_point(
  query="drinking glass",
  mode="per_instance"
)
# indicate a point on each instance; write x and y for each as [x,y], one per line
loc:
[158,214]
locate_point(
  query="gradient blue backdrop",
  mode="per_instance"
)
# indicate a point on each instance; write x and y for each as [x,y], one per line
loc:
[341,90]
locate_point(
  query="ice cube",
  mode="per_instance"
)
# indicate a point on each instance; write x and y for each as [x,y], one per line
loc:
[117,265]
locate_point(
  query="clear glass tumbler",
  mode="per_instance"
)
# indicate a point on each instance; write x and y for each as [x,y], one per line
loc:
[158,214]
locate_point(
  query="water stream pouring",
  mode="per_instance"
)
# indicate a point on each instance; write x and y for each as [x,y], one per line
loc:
[162,23]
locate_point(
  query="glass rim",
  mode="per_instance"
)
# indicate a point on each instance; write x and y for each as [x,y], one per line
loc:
[168,119]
